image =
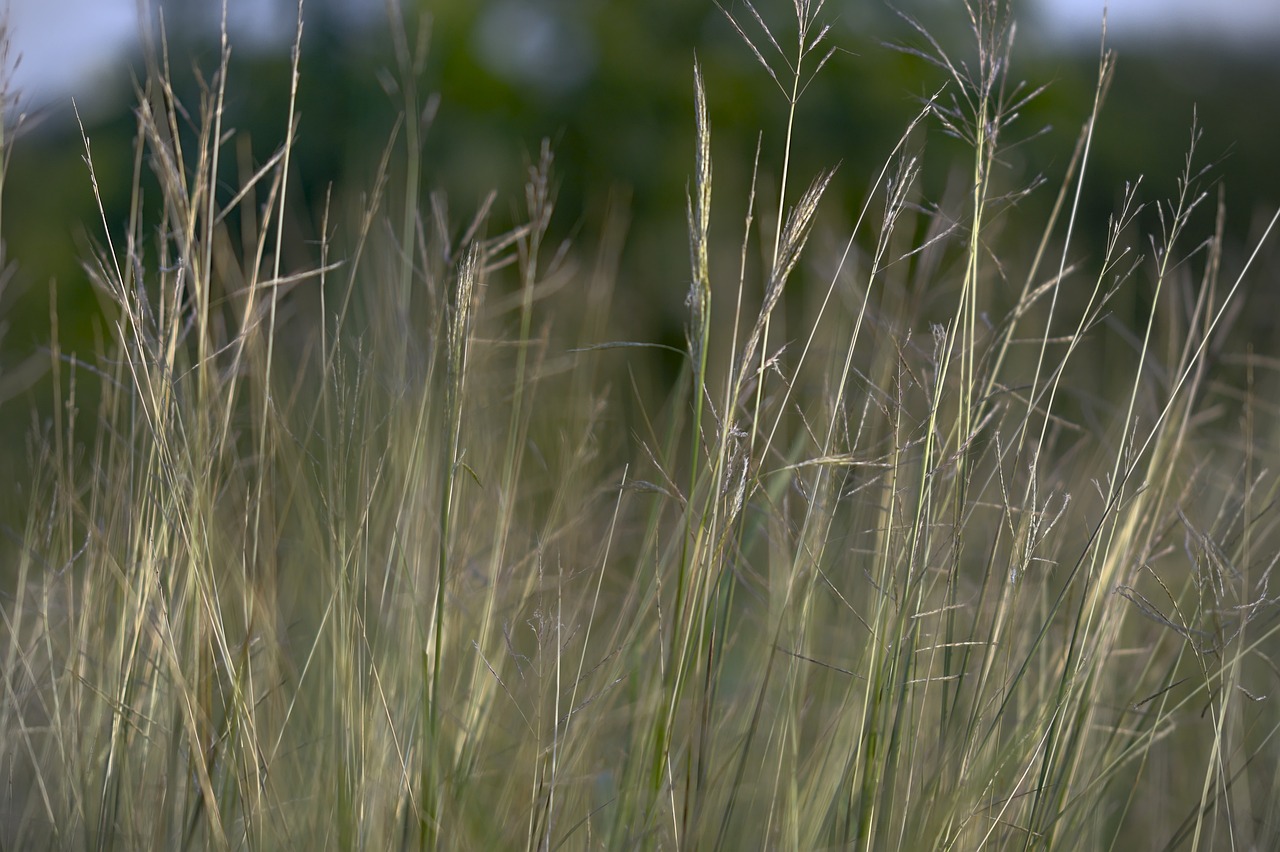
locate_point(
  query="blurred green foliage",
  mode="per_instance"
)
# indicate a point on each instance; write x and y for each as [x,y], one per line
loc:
[622,135]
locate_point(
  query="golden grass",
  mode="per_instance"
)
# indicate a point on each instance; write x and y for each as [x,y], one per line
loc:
[406,577]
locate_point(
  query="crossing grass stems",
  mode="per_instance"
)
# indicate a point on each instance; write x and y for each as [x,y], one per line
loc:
[869,575]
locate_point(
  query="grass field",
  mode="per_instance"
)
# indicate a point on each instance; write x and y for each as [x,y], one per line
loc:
[925,546]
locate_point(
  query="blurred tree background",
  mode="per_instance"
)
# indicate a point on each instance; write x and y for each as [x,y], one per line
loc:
[610,84]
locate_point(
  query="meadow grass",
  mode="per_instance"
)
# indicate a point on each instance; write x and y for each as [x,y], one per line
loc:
[397,550]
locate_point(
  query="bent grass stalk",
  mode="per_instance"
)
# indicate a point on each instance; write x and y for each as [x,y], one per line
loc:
[407,580]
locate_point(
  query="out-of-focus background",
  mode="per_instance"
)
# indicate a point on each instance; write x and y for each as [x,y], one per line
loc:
[67,45]
[609,83]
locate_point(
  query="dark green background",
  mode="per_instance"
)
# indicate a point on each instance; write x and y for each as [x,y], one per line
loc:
[623,139]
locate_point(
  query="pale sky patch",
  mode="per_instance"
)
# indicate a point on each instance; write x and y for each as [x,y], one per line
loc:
[68,46]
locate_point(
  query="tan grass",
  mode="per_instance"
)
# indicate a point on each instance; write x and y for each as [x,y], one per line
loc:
[406,579]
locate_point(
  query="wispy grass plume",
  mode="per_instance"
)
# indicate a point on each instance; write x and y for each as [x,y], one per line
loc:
[356,546]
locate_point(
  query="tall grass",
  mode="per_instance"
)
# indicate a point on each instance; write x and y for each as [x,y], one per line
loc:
[373,554]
